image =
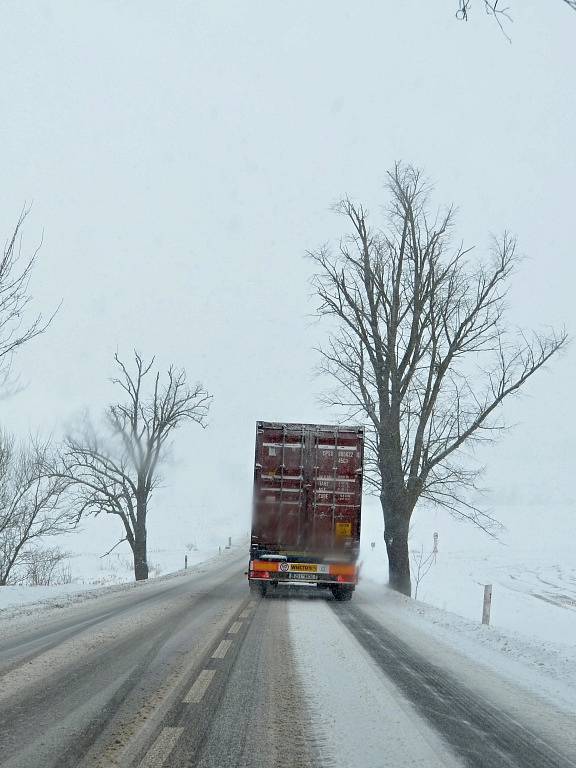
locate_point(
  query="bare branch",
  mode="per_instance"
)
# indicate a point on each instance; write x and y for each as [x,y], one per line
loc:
[114,547]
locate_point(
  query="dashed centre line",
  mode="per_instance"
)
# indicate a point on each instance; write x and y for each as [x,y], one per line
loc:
[160,750]
[159,753]
[222,649]
[197,691]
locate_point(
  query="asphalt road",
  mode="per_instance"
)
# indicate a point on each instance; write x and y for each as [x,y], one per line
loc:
[193,671]
[176,673]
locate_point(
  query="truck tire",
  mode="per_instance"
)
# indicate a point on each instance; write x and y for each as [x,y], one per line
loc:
[258,588]
[342,594]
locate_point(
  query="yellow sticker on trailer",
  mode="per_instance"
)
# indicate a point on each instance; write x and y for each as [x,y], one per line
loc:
[343,529]
[309,567]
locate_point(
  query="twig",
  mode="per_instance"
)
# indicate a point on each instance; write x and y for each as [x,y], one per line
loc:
[114,547]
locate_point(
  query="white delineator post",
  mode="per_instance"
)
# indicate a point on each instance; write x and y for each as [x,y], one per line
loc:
[487,604]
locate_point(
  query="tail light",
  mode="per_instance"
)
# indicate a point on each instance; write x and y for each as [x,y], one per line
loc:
[259,575]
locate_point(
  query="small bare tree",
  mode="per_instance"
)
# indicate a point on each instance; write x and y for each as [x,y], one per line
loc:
[15,274]
[116,473]
[43,566]
[31,503]
[422,351]
[421,565]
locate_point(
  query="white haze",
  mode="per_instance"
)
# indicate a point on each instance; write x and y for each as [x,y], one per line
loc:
[181,157]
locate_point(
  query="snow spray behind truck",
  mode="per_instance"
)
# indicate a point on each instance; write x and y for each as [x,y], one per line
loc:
[306,507]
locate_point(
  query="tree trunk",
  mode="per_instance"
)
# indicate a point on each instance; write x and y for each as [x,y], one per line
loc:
[140,544]
[396,526]
[140,561]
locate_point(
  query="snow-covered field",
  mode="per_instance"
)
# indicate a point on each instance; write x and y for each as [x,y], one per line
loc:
[531,566]
[90,571]
[88,566]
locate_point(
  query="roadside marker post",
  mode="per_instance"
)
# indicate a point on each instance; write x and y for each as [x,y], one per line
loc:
[487,604]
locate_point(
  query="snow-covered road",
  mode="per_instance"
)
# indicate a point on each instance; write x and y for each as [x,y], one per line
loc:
[194,671]
[399,699]
[355,709]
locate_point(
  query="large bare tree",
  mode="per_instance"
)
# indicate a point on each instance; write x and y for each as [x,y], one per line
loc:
[115,471]
[422,351]
[31,503]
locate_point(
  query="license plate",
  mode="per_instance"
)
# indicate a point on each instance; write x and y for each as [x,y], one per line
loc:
[304,576]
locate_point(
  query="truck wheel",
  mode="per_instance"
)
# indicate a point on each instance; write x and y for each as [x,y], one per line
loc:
[342,594]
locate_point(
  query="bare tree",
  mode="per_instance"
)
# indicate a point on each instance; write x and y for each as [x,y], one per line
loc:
[41,566]
[116,473]
[421,565]
[422,351]
[31,503]
[15,274]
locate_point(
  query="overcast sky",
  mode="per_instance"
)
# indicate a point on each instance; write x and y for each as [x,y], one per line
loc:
[181,157]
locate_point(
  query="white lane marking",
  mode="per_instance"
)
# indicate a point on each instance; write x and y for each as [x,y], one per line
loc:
[234,628]
[164,744]
[245,614]
[222,649]
[196,693]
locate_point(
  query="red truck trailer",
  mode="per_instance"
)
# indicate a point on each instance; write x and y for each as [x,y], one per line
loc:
[306,507]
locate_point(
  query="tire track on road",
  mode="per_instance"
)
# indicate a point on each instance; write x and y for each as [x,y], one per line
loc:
[481,734]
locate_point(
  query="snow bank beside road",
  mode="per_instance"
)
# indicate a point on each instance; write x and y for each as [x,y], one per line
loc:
[545,668]
[12,596]
[18,601]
